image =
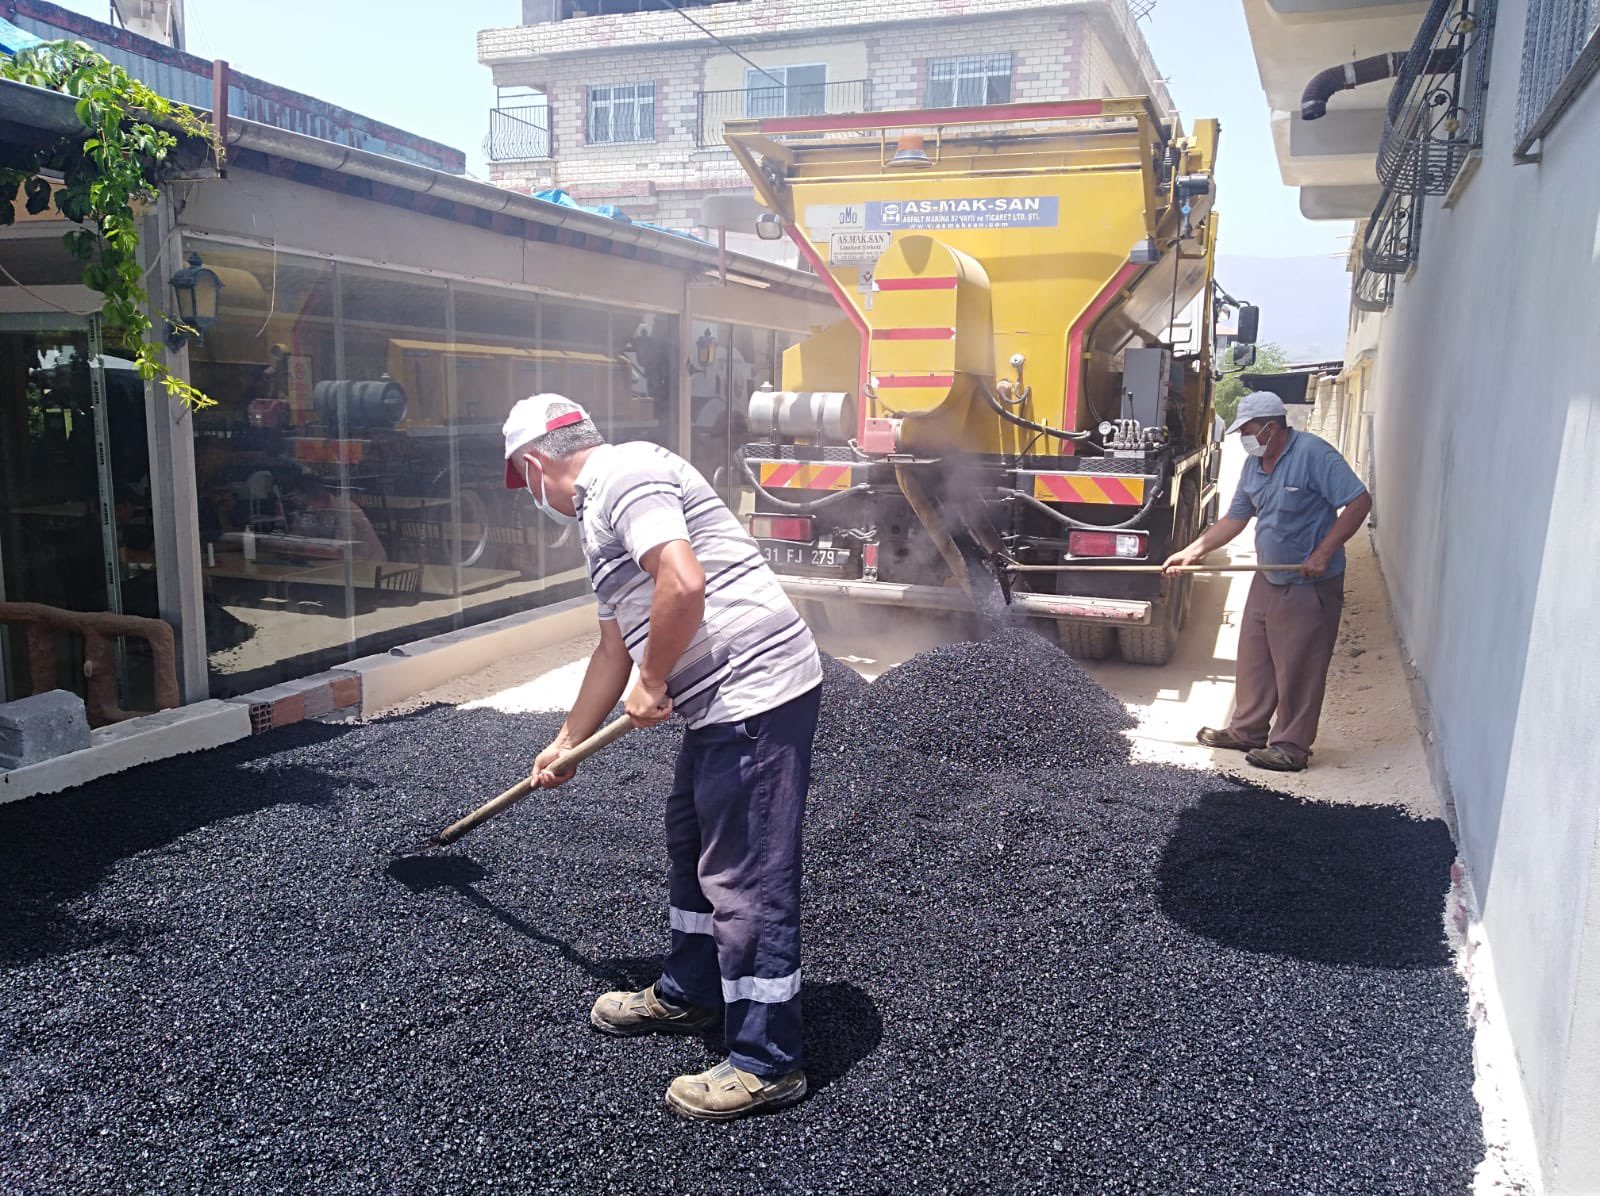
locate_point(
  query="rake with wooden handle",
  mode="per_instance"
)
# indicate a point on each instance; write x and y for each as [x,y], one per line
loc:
[1151,569]
[564,763]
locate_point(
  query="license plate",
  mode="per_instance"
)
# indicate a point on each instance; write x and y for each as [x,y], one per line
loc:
[808,558]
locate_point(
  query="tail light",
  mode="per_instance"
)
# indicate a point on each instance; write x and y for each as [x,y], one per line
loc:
[869,555]
[1106,544]
[796,528]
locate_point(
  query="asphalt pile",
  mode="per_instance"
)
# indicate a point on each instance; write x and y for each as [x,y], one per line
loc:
[1031,965]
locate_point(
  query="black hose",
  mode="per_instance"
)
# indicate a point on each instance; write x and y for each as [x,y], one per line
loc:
[784,504]
[1068,521]
[1323,85]
[1012,417]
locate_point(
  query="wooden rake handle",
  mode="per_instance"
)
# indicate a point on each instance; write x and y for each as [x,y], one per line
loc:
[566,762]
[1152,569]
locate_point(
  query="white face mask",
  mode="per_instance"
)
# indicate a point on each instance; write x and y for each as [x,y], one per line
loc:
[542,501]
[1253,444]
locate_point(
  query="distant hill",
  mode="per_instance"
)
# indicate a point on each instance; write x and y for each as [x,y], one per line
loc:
[1304,301]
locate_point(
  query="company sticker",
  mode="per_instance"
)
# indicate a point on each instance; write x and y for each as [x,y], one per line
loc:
[991,211]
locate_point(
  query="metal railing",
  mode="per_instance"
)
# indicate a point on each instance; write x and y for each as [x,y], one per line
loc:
[518,134]
[1393,240]
[1560,53]
[1434,118]
[716,108]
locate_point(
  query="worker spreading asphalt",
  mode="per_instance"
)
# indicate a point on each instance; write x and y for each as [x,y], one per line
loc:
[1030,964]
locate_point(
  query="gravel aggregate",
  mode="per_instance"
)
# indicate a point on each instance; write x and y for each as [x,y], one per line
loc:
[1031,966]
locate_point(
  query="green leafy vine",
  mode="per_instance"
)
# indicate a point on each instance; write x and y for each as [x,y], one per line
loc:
[99,180]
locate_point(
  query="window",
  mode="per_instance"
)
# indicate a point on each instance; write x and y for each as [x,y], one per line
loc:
[605,8]
[959,82]
[622,112]
[1560,52]
[802,91]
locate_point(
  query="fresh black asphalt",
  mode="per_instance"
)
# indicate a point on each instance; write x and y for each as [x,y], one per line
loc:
[1031,965]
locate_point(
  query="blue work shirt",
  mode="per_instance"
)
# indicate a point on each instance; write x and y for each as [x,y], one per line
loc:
[1296,504]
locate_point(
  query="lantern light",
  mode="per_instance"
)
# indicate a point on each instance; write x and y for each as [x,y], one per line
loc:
[197,289]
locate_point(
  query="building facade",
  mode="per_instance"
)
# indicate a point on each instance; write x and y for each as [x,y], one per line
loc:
[1470,392]
[624,103]
[344,493]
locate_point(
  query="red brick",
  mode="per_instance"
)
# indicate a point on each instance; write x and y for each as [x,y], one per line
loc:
[289,710]
[346,692]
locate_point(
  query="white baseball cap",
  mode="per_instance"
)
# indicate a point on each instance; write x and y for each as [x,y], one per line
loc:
[532,418]
[1258,404]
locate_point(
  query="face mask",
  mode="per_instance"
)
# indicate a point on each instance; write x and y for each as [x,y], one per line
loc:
[1253,445]
[542,501]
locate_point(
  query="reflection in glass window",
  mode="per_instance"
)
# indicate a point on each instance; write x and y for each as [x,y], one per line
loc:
[56,393]
[275,596]
[351,476]
[711,421]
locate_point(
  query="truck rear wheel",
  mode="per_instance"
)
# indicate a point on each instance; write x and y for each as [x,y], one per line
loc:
[1155,643]
[1085,641]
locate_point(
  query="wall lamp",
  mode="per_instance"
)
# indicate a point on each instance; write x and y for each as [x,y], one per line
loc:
[197,289]
[705,352]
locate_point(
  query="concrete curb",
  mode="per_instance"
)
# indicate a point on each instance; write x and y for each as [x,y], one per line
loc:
[351,691]
[374,683]
[407,671]
[125,745]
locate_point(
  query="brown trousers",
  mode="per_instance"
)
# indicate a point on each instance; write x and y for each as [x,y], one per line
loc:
[1285,646]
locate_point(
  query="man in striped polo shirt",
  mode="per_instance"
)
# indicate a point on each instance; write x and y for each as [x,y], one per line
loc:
[685,594]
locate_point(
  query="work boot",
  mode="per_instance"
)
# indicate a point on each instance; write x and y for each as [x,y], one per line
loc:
[1277,758]
[724,1092]
[1212,738]
[628,1015]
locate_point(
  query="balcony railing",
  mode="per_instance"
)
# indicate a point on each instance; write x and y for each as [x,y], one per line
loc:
[1434,118]
[518,134]
[716,108]
[1393,240]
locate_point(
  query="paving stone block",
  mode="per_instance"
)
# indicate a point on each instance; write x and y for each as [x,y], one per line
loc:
[42,727]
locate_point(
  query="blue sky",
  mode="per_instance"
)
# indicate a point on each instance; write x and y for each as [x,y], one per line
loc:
[423,75]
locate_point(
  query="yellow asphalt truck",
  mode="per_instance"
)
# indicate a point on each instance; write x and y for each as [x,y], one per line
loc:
[1021,383]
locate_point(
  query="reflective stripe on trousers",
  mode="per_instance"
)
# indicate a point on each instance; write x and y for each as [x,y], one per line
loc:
[733,838]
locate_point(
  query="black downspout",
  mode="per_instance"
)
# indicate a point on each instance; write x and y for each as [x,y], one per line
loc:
[1314,100]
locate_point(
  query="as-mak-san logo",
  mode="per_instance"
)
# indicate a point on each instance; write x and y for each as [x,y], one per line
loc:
[983,211]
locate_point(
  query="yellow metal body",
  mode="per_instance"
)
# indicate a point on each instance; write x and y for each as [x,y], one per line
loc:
[1049,232]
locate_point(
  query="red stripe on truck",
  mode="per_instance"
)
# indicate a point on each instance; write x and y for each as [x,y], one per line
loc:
[890,381]
[913,334]
[917,284]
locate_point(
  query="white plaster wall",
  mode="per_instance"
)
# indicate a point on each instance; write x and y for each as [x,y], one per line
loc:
[1487,443]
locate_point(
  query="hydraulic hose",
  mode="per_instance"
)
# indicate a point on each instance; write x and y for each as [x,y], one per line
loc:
[1077,525]
[784,504]
[1011,417]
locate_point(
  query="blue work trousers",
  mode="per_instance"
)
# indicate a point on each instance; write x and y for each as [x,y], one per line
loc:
[733,838]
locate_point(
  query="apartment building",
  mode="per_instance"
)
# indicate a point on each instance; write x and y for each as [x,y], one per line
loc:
[623,101]
[1469,396]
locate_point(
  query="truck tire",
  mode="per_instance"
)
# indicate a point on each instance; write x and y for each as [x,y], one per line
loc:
[1085,641]
[1154,644]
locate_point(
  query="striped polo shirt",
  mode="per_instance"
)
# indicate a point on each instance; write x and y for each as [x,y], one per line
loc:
[753,652]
